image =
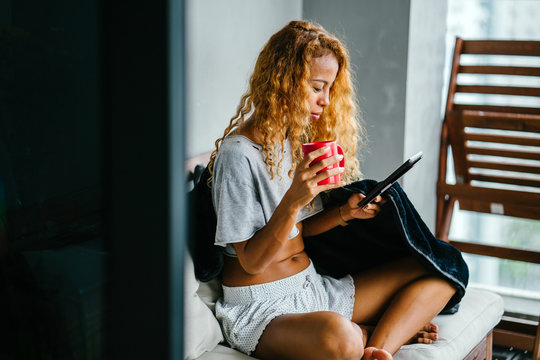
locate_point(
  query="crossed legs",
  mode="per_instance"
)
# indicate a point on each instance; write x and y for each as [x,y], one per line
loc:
[398,299]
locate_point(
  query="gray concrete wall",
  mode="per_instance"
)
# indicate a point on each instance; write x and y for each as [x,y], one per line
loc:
[423,120]
[223,41]
[376,34]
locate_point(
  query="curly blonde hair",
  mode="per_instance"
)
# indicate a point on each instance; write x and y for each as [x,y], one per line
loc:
[276,105]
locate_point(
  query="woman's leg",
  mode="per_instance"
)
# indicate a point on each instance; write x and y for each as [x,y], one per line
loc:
[411,308]
[320,335]
[400,298]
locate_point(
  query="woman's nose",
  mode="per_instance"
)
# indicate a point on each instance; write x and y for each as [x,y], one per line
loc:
[324,99]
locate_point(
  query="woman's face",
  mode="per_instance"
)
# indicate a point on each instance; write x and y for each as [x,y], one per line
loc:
[323,70]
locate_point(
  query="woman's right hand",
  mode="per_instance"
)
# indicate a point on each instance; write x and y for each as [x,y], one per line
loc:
[305,186]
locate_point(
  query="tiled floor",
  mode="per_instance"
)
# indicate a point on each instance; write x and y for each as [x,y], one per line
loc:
[502,353]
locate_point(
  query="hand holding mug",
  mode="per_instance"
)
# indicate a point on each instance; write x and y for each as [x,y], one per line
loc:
[334,149]
[312,175]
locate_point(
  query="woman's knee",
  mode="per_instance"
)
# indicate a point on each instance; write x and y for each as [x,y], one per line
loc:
[442,286]
[340,338]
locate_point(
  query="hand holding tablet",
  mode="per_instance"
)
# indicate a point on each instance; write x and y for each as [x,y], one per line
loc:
[392,178]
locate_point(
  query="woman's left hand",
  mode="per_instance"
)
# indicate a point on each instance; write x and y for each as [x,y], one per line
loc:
[351,210]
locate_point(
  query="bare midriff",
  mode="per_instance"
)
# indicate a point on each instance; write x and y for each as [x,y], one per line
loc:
[290,260]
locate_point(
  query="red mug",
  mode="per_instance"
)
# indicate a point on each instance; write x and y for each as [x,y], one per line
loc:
[334,150]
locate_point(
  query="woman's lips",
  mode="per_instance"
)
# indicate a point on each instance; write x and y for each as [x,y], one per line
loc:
[315,116]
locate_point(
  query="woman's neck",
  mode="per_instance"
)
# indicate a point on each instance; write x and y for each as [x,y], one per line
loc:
[249,130]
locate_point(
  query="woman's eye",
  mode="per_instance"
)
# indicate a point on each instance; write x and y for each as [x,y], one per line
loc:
[317,89]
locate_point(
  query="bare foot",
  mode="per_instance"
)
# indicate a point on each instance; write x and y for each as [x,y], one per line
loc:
[372,353]
[426,335]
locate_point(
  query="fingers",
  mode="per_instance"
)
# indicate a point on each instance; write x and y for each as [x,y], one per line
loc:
[325,163]
[374,206]
[331,186]
[367,212]
[320,170]
[326,174]
[381,200]
[376,203]
[320,165]
[306,180]
[309,158]
[378,200]
[372,209]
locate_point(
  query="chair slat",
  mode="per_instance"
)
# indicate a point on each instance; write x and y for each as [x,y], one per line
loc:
[501,47]
[504,167]
[498,251]
[502,121]
[465,191]
[487,206]
[499,70]
[515,154]
[498,90]
[505,180]
[497,108]
[503,139]
[456,137]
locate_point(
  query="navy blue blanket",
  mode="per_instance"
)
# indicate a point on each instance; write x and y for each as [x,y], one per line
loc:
[397,231]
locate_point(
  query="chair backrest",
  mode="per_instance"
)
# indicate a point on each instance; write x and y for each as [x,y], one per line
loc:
[495,57]
[494,130]
[492,125]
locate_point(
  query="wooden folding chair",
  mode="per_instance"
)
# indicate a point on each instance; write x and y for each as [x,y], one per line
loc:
[495,145]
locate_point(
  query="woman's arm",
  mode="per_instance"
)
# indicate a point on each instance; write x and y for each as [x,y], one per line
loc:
[260,251]
[257,253]
[339,215]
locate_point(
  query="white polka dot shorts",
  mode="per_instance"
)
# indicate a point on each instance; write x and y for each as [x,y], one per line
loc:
[245,311]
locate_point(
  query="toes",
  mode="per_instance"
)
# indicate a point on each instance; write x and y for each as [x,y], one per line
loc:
[431,327]
[422,340]
[426,337]
[368,353]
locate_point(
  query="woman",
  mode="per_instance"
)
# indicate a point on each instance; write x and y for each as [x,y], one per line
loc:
[267,200]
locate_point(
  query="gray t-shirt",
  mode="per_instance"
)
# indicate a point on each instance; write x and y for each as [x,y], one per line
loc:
[243,193]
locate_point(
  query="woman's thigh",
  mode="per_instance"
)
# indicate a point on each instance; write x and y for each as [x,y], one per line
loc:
[376,287]
[318,335]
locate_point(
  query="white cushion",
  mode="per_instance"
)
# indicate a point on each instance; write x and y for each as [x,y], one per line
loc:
[201,329]
[225,353]
[459,333]
[210,292]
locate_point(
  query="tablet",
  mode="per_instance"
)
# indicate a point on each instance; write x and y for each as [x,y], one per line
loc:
[392,178]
